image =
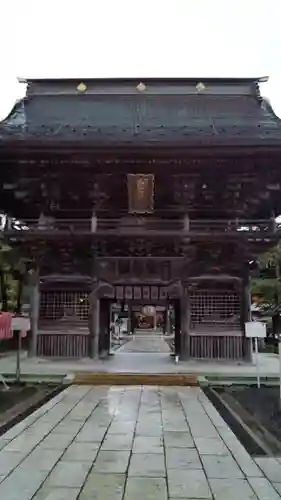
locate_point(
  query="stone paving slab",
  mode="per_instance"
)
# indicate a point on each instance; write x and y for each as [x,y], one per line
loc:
[232,489]
[190,483]
[68,474]
[221,467]
[147,465]
[57,494]
[131,443]
[211,446]
[263,489]
[270,467]
[182,459]
[178,439]
[103,487]
[140,488]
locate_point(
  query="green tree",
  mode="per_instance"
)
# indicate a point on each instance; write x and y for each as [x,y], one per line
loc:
[5,275]
[13,272]
[266,285]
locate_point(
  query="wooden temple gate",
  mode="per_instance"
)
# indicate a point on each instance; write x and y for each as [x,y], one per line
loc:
[155,193]
[209,316]
[208,322]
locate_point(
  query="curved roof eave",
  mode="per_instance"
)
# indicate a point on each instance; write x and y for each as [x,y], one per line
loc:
[268,107]
[19,104]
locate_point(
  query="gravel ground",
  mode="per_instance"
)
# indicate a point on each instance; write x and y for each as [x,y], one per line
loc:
[16,394]
[263,404]
[19,398]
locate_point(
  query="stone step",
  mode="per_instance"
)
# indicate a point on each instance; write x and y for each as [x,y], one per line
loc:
[164,379]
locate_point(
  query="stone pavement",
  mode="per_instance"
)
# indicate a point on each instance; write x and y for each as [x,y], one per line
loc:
[139,362]
[131,443]
[146,342]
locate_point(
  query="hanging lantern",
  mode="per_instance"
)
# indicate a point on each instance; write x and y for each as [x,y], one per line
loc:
[148,310]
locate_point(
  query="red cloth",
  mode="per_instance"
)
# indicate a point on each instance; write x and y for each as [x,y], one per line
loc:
[5,326]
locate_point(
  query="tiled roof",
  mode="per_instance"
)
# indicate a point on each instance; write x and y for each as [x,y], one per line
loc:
[113,118]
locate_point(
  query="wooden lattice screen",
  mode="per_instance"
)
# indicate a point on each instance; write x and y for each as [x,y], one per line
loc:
[215,311]
[72,305]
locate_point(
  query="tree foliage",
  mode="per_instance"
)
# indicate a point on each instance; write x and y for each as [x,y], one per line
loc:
[266,292]
[12,277]
[266,286]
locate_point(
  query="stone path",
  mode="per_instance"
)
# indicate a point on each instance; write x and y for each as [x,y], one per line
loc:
[139,363]
[146,342]
[131,443]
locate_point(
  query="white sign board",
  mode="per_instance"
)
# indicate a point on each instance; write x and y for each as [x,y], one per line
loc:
[21,323]
[255,329]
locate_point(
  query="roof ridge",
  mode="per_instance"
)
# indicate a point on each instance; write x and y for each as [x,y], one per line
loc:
[174,79]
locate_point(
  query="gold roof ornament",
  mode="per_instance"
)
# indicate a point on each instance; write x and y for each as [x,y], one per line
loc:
[200,87]
[141,87]
[81,87]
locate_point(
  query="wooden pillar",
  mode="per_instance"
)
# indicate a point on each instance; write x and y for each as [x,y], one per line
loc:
[185,325]
[273,223]
[166,320]
[246,313]
[107,333]
[104,327]
[154,320]
[169,320]
[129,319]
[177,311]
[94,326]
[34,313]
[186,223]
[133,321]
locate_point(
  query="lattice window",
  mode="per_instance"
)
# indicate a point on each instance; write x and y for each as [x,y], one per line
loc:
[215,311]
[72,305]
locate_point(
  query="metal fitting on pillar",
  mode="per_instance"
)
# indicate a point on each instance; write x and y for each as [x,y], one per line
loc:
[94,222]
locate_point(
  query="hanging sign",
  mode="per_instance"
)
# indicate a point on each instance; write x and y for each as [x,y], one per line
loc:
[140,193]
[255,330]
[20,323]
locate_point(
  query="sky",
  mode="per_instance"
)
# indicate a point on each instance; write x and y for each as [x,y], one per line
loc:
[139,38]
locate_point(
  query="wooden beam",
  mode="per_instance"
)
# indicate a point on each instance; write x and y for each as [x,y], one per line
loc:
[30,147]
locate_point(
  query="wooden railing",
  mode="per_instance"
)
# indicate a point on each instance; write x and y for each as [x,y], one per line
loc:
[211,347]
[140,226]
